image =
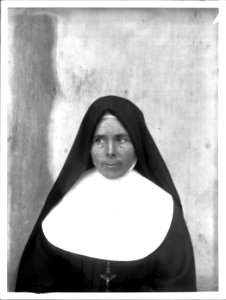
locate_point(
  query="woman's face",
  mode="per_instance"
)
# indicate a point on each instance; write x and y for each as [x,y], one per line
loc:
[112,151]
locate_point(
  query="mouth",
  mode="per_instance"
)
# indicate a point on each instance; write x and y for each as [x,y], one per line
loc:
[112,165]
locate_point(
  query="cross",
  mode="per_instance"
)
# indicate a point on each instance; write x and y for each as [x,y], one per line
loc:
[108,276]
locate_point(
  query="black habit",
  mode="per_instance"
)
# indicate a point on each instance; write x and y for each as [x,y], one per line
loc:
[45,268]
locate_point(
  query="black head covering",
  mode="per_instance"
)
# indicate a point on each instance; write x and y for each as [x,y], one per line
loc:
[150,163]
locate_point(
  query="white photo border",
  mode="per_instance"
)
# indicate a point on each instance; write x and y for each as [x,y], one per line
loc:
[221,19]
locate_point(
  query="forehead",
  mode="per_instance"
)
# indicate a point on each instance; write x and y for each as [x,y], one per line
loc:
[110,126]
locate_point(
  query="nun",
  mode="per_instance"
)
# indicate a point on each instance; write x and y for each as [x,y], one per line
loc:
[113,220]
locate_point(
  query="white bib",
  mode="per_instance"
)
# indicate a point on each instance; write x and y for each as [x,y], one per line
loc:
[123,219]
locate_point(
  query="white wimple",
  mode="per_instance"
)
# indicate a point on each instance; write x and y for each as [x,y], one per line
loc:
[124,219]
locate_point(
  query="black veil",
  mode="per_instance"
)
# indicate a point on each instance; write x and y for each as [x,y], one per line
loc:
[150,163]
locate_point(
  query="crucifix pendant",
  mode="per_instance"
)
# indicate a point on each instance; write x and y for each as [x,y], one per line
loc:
[107,277]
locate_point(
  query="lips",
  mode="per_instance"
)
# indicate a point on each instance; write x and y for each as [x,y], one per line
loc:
[112,165]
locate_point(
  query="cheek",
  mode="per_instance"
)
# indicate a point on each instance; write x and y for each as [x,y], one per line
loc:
[129,156]
[95,155]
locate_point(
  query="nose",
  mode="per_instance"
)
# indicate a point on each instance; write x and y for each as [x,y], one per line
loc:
[111,149]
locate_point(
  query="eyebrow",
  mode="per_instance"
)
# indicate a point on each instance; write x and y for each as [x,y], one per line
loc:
[125,135]
[118,134]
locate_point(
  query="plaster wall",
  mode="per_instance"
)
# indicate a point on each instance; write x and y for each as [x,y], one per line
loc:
[165,60]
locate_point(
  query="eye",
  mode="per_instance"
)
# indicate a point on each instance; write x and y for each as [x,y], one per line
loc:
[98,140]
[123,139]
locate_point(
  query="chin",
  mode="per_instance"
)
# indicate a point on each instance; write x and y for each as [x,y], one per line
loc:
[112,175]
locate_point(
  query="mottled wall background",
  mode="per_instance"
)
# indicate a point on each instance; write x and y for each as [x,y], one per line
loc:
[165,60]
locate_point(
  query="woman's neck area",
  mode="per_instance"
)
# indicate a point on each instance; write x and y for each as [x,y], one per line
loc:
[119,179]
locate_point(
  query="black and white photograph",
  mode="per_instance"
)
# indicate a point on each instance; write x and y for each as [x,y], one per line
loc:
[111,140]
